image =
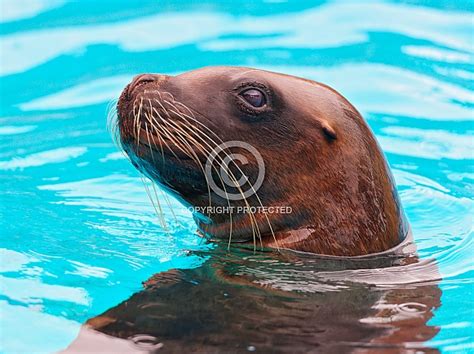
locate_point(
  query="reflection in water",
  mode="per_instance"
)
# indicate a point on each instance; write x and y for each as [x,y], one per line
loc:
[267,301]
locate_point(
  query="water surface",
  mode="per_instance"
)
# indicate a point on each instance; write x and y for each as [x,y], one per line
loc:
[78,232]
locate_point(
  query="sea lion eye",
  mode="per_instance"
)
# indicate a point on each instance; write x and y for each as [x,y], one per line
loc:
[254,97]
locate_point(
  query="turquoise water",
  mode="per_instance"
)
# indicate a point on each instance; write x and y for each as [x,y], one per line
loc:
[78,232]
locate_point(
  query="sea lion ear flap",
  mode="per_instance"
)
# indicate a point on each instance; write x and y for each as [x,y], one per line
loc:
[328,130]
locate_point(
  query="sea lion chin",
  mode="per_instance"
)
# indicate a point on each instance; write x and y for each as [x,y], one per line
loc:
[321,159]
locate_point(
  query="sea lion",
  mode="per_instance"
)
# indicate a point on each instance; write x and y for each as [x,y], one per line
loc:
[321,159]
[323,162]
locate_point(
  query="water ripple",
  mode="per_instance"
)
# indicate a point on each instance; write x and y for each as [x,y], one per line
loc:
[80,234]
[43,158]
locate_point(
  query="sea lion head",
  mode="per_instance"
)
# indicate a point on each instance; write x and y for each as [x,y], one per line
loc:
[324,174]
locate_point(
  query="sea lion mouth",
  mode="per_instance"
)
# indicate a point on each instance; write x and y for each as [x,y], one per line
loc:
[171,144]
[163,137]
[153,125]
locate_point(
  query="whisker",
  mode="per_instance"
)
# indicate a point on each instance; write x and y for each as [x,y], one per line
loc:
[252,217]
[254,192]
[157,206]
[191,139]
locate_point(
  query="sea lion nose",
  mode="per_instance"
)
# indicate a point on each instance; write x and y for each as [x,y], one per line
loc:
[141,80]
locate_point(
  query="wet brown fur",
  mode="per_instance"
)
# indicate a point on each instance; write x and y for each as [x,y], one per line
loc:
[321,159]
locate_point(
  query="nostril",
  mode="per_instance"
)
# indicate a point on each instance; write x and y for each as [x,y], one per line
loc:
[144,78]
[140,80]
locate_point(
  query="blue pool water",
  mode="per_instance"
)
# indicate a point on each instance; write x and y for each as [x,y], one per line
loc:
[78,234]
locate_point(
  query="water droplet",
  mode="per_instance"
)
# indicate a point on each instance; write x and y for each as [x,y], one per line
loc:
[412,307]
[147,342]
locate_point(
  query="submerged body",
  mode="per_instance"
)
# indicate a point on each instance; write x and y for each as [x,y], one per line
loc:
[321,159]
[275,303]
